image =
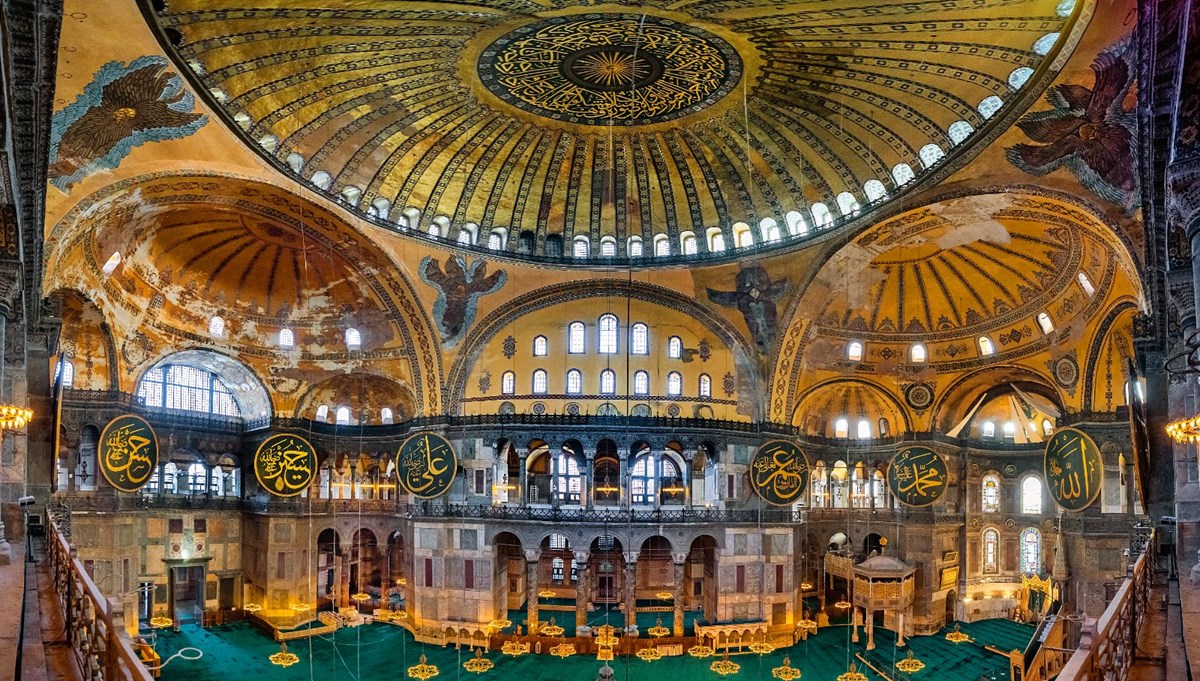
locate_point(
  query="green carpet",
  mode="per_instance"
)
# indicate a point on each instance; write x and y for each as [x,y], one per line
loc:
[382,652]
[604,615]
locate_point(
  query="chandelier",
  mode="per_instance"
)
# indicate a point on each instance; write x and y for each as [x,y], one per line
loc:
[1185,430]
[514,648]
[761,647]
[806,622]
[700,651]
[478,664]
[957,636]
[806,586]
[360,597]
[300,607]
[842,604]
[252,607]
[500,624]
[658,630]
[664,595]
[606,636]
[910,664]
[649,654]
[161,622]
[552,629]
[13,417]
[422,671]
[852,675]
[563,650]
[546,594]
[786,672]
[283,658]
[725,666]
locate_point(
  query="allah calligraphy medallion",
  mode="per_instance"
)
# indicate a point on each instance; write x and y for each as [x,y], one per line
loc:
[917,476]
[1074,469]
[426,463]
[610,69]
[779,473]
[285,465]
[128,452]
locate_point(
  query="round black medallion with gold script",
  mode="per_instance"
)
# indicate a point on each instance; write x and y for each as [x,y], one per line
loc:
[917,476]
[610,69]
[426,463]
[285,464]
[779,473]
[1074,469]
[128,452]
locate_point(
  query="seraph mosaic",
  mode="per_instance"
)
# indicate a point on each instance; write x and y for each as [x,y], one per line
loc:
[459,288]
[123,107]
[1089,131]
[754,296]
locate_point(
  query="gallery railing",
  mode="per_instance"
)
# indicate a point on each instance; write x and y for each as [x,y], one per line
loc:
[93,630]
[1107,645]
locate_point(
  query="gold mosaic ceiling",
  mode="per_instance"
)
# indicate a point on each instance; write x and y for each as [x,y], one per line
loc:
[610,119]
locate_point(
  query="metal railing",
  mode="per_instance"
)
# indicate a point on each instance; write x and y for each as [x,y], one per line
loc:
[94,630]
[1107,645]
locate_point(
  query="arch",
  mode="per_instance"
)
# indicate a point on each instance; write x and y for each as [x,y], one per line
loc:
[634,247]
[852,399]
[1032,495]
[959,396]
[716,239]
[364,394]
[248,391]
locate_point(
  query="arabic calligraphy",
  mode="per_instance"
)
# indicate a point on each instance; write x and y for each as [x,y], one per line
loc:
[128,452]
[1074,469]
[917,476]
[285,465]
[426,463]
[599,69]
[779,473]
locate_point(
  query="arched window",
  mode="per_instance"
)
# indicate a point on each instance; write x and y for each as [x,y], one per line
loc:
[874,190]
[353,339]
[959,132]
[569,484]
[539,382]
[991,551]
[634,247]
[1044,323]
[466,234]
[885,428]
[847,204]
[1031,496]
[1044,44]
[841,428]
[643,480]
[674,384]
[989,429]
[864,429]
[675,347]
[985,346]
[607,328]
[581,247]
[917,353]
[641,383]
[820,483]
[608,247]
[662,247]
[286,338]
[216,326]
[989,106]
[687,243]
[66,372]
[796,225]
[821,215]
[716,240]
[1086,284]
[990,493]
[495,240]
[1019,76]
[608,382]
[576,343]
[1031,550]
[385,415]
[343,416]
[111,264]
[930,154]
[556,570]
[769,229]
[705,385]
[541,346]
[902,174]
[639,339]
[854,351]
[1047,427]
[1064,8]
[1010,430]
[742,238]
[188,389]
[323,413]
[508,383]
[574,382]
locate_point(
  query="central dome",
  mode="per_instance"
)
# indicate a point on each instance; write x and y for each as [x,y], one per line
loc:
[609,69]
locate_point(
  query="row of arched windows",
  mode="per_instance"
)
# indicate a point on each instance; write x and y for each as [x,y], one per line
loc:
[342,415]
[1031,495]
[186,388]
[608,339]
[286,339]
[573,383]
[1030,549]
[917,352]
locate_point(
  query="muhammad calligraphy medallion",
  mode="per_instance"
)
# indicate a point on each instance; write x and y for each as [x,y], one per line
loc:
[128,452]
[426,463]
[917,476]
[779,473]
[285,465]
[604,69]
[1074,469]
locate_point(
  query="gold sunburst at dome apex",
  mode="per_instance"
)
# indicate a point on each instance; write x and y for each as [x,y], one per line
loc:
[284,658]
[910,664]
[725,666]
[649,654]
[552,629]
[612,68]
[422,670]
[852,674]
[785,671]
[514,648]
[478,664]
[563,650]
[161,622]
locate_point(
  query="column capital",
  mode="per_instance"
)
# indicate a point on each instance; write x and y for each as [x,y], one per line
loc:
[581,557]
[532,555]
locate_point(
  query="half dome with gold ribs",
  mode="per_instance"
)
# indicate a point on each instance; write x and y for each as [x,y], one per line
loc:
[613,131]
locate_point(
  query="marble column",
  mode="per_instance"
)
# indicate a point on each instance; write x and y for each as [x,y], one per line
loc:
[656,463]
[531,589]
[687,477]
[523,480]
[581,588]
[589,481]
[631,592]
[555,493]
[900,630]
[870,630]
[854,622]
[626,497]
[677,627]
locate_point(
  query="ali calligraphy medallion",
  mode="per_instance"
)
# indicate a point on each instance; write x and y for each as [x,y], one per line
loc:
[128,452]
[917,476]
[426,463]
[1074,469]
[602,69]
[779,473]
[285,465]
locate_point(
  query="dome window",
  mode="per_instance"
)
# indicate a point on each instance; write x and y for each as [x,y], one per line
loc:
[1044,322]
[986,347]
[716,240]
[1044,44]
[874,190]
[742,238]
[343,416]
[323,412]
[841,428]
[1086,284]
[662,247]
[854,351]
[769,229]
[286,338]
[821,215]
[353,339]
[112,263]
[864,429]
[581,247]
[959,132]
[216,327]
[634,247]
[608,247]
[930,154]
[687,243]
[989,106]
[902,174]
[385,415]
[796,225]
[847,204]
[917,353]
[989,429]
[1019,76]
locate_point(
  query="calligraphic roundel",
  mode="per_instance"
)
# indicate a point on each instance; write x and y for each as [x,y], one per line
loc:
[1074,469]
[128,452]
[917,476]
[779,473]
[285,465]
[427,464]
